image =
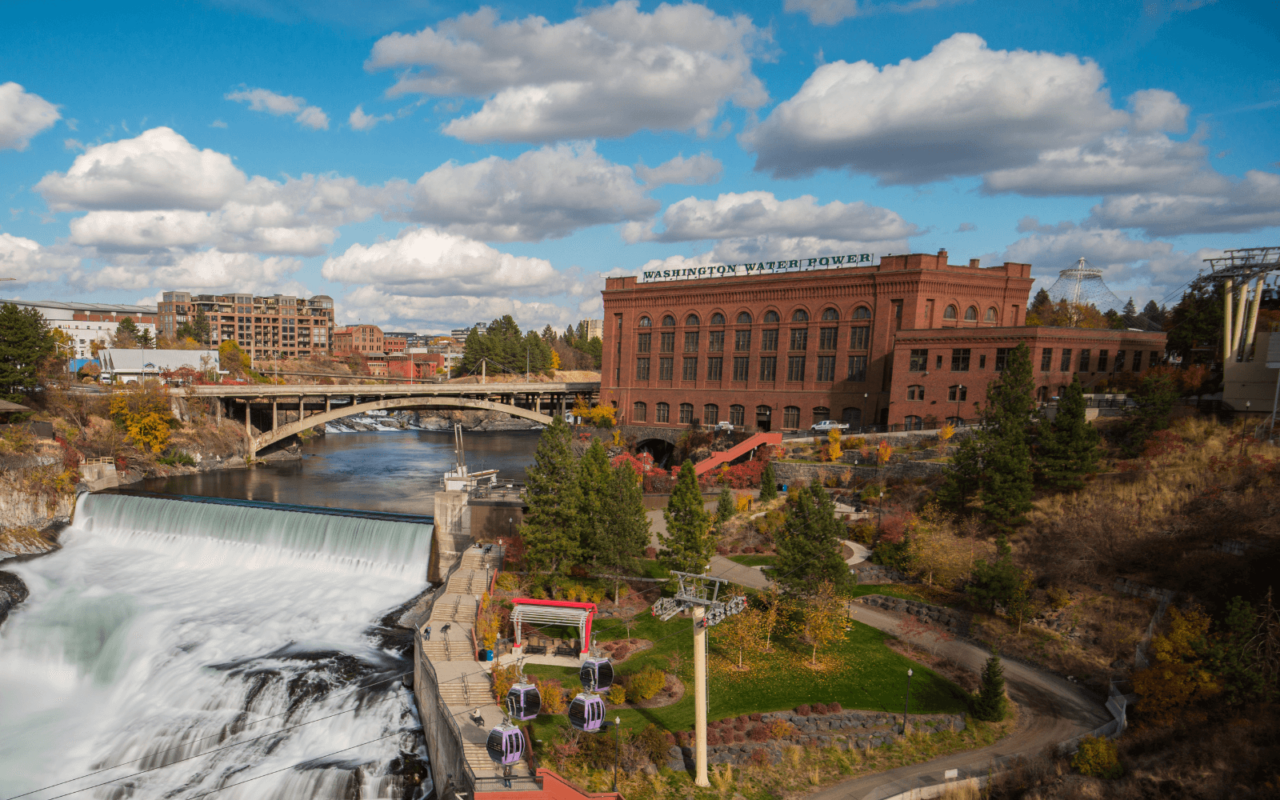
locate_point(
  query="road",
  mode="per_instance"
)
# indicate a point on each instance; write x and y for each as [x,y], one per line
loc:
[1053,711]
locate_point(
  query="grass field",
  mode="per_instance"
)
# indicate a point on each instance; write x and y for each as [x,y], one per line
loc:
[754,560]
[888,590]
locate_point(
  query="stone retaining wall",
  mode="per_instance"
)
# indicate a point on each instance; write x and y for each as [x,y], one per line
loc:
[868,573]
[953,620]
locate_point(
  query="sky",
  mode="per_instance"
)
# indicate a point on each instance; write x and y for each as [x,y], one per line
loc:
[430,164]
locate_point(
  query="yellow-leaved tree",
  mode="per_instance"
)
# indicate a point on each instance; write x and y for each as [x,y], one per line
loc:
[833,449]
[144,414]
[1177,677]
[824,619]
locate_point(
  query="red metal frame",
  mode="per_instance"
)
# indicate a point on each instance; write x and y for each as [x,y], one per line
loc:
[591,607]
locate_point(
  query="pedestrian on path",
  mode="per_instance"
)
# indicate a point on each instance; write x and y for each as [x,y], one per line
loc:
[445,630]
[428,633]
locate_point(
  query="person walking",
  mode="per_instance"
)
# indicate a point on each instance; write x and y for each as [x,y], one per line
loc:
[427,631]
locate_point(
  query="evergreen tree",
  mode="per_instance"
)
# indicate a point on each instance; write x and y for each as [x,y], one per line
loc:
[996,581]
[25,343]
[688,543]
[126,336]
[1007,473]
[1130,314]
[595,477]
[1153,402]
[625,538]
[768,484]
[1196,323]
[724,508]
[990,704]
[809,544]
[551,528]
[549,335]
[1154,314]
[1040,310]
[1067,450]
[964,481]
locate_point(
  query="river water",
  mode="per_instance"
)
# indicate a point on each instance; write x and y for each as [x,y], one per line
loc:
[173,648]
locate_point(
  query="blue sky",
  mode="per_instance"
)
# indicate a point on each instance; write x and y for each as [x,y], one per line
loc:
[429,164]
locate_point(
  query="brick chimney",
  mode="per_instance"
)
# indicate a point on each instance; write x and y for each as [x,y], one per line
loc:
[973,262]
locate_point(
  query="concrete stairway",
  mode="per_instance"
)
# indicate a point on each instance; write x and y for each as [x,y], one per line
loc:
[738,450]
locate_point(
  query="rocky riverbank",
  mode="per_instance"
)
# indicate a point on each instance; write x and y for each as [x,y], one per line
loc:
[12,592]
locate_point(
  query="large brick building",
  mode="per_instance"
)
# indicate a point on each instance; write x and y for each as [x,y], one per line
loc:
[908,342]
[366,339]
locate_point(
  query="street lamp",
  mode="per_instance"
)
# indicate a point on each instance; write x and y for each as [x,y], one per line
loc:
[960,390]
[617,721]
[906,707]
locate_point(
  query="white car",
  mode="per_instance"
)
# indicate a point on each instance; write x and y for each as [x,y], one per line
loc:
[725,426]
[828,425]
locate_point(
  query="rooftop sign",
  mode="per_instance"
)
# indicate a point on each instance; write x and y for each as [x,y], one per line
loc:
[758,268]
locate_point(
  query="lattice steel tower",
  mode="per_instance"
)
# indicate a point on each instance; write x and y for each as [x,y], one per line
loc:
[1082,285]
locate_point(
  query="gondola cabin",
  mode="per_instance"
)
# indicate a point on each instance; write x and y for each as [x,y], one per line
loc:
[586,713]
[506,744]
[596,674]
[523,701]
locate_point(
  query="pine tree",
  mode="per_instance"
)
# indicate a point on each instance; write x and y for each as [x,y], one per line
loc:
[25,343]
[768,484]
[990,704]
[1154,313]
[964,481]
[1040,310]
[595,477]
[1153,402]
[1130,314]
[1067,450]
[809,544]
[724,508]
[996,581]
[126,335]
[554,496]
[688,543]
[625,538]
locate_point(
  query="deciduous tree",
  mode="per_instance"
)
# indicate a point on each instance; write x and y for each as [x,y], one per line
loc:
[824,618]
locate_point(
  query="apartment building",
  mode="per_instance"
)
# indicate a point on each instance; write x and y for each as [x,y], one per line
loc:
[87,323]
[279,326]
[365,339]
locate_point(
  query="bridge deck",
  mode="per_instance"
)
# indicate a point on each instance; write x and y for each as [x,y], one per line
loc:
[394,390]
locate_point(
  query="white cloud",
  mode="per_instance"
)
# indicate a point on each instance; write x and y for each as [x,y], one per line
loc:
[1114,163]
[768,248]
[702,168]
[282,105]
[208,270]
[829,12]
[756,214]
[441,314]
[22,116]
[966,227]
[217,123]
[1235,206]
[1157,110]
[544,193]
[28,262]
[608,73]
[158,169]
[363,122]
[962,109]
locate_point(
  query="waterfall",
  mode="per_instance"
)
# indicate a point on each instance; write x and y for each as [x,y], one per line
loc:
[178,647]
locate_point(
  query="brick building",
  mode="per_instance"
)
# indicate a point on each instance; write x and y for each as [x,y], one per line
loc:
[907,342]
[366,339]
[279,326]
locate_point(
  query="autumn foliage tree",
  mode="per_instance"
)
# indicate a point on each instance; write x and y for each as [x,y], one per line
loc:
[143,413]
[1178,676]
[823,619]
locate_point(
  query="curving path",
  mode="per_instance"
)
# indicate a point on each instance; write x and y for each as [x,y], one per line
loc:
[1053,711]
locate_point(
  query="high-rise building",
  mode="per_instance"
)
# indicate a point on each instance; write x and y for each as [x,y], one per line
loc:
[594,328]
[279,326]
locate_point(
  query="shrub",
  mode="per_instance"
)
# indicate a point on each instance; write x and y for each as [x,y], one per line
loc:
[781,729]
[653,743]
[508,582]
[804,710]
[713,737]
[760,733]
[651,552]
[1059,597]
[503,679]
[646,683]
[1097,758]
[617,694]
[552,692]
[834,708]
[759,757]
[754,717]
[622,651]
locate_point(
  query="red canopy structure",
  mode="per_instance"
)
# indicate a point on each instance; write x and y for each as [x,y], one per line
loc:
[553,612]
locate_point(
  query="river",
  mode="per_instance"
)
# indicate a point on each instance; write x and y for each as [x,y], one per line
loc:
[171,648]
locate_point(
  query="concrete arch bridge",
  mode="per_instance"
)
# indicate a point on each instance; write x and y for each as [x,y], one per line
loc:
[303,407]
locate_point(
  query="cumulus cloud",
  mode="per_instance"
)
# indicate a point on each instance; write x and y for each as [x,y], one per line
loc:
[363,122]
[441,314]
[829,12]
[962,109]
[1231,206]
[22,116]
[608,73]
[753,249]
[208,270]
[1157,110]
[544,193]
[965,227]
[1115,163]
[702,168]
[755,214]
[28,262]
[158,169]
[282,105]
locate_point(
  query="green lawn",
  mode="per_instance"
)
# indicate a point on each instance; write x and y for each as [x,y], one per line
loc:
[862,673]
[650,568]
[754,560]
[888,590]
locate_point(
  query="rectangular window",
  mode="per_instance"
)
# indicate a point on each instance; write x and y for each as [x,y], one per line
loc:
[826,368]
[642,369]
[691,342]
[799,338]
[689,372]
[1002,358]
[665,368]
[791,417]
[717,342]
[1119,366]
[668,342]
[1155,359]
[664,412]
[827,338]
[1102,361]
[769,342]
[858,338]
[1084,361]
[742,341]
[1046,359]
[768,369]
[740,368]
[795,368]
[858,368]
[958,393]
[939,364]
[919,360]
[960,360]
[715,366]
[1065,365]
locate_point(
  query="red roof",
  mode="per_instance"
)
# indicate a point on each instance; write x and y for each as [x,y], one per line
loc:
[529,601]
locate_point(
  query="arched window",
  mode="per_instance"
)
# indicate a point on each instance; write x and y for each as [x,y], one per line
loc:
[791,417]
[971,314]
[744,318]
[862,312]
[950,313]
[692,321]
[800,316]
[915,392]
[710,414]
[668,321]
[913,423]
[737,416]
[955,421]
[717,318]
[686,413]
[821,413]
[664,413]
[639,412]
[770,316]
[645,322]
[991,315]
[830,314]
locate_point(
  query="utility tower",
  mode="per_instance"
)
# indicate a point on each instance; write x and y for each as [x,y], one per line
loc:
[1235,269]
[700,593]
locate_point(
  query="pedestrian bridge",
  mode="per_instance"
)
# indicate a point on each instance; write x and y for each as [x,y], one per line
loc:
[274,413]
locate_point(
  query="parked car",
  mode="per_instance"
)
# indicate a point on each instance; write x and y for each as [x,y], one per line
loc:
[725,426]
[828,425]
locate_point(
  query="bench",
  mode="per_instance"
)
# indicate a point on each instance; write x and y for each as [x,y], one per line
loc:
[535,649]
[566,650]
